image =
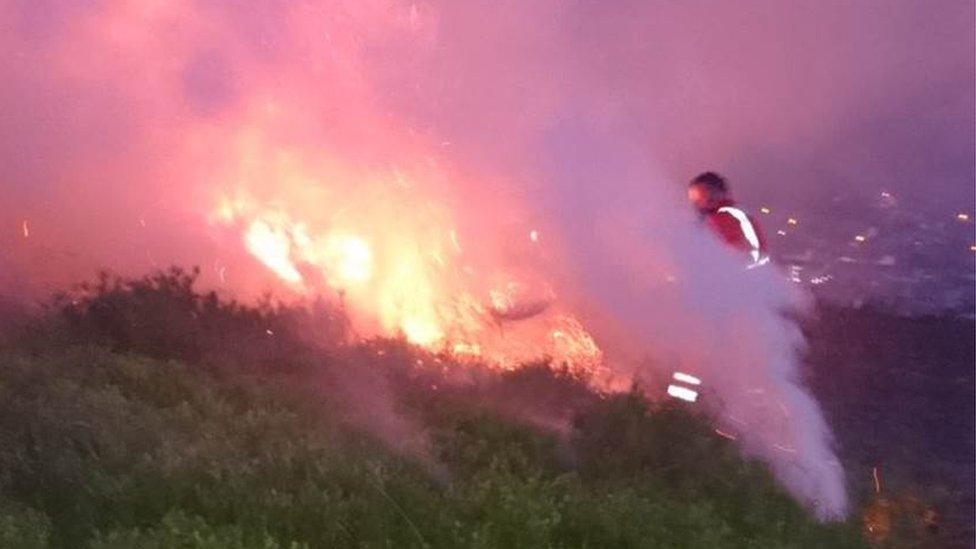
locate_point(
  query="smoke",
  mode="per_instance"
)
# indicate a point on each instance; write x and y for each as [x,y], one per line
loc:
[126,123]
[674,294]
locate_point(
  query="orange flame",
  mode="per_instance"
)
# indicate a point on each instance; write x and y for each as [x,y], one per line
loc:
[396,257]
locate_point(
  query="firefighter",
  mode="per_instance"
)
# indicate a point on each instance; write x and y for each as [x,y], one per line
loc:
[709,193]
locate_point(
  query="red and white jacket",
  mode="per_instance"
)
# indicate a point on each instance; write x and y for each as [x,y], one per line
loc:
[738,229]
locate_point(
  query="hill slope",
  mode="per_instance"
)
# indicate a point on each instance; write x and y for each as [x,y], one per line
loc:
[145,415]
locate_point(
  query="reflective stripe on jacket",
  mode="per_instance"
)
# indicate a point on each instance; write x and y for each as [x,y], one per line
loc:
[739,230]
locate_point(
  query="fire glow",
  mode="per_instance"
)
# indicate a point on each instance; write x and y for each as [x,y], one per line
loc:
[409,275]
[332,149]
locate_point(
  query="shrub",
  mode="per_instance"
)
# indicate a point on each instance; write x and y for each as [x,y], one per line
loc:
[107,440]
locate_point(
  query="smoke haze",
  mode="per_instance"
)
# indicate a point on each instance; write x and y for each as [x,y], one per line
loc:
[126,123]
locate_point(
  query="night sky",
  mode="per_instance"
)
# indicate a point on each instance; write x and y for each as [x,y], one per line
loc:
[812,109]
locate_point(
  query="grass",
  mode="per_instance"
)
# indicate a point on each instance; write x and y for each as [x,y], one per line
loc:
[114,434]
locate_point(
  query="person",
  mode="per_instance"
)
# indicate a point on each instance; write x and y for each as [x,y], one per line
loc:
[709,193]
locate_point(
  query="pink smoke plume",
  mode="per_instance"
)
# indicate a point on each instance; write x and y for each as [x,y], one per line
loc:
[525,160]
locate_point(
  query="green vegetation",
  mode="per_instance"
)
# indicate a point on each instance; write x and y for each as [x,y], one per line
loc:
[141,414]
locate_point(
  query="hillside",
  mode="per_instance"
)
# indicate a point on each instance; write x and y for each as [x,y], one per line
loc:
[144,414]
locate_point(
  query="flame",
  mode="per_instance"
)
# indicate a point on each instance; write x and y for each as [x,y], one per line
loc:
[352,256]
[361,211]
[272,246]
[395,257]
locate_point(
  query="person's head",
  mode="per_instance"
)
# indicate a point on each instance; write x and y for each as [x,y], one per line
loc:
[707,191]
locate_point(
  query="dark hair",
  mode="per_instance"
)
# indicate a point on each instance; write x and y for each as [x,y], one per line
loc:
[713,180]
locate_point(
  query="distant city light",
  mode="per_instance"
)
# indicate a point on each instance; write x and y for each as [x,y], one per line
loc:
[818,280]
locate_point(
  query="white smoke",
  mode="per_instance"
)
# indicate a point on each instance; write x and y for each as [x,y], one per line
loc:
[583,121]
[674,292]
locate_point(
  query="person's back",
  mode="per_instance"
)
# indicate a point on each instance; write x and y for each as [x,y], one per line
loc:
[709,192]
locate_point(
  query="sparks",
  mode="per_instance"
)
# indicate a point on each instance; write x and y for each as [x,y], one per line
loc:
[792,221]
[962,217]
[534,236]
[860,238]
[723,434]
[781,232]
[765,210]
[26,228]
